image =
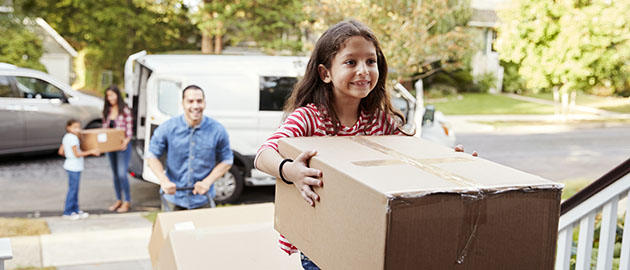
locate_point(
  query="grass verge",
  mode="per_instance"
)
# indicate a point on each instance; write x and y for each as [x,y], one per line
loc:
[10,227]
[614,104]
[573,186]
[150,216]
[466,104]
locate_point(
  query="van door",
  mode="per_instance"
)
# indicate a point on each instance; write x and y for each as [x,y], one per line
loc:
[163,101]
[231,100]
[137,95]
[11,117]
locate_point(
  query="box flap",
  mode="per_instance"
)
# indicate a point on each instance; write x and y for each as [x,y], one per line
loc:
[421,167]
[202,218]
[244,246]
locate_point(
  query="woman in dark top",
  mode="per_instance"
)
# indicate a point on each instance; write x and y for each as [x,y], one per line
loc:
[116,114]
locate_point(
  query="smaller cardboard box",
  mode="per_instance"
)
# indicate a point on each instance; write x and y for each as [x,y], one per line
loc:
[103,139]
[236,237]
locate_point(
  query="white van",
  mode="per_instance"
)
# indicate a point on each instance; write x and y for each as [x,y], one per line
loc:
[244,93]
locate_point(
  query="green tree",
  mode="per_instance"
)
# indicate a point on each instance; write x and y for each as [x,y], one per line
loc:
[111,30]
[412,33]
[568,45]
[18,44]
[274,25]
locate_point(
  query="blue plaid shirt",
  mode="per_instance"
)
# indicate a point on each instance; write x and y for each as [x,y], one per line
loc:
[191,154]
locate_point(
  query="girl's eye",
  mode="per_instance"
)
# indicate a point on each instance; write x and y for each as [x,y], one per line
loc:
[349,62]
[371,61]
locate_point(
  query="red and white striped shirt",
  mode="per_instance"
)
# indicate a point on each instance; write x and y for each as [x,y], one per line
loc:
[313,121]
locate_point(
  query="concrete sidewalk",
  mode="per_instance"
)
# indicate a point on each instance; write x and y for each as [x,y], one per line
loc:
[111,241]
[527,124]
[120,242]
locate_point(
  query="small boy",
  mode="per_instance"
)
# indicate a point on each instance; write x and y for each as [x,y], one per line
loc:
[73,165]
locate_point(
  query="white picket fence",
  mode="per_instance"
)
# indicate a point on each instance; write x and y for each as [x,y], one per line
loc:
[583,216]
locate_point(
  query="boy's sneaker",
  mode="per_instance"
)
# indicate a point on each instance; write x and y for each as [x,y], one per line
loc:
[82,214]
[73,216]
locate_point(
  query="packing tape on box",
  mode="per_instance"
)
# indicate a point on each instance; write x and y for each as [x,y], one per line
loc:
[424,164]
[474,203]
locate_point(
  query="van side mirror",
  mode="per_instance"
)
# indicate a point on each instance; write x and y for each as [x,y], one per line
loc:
[429,114]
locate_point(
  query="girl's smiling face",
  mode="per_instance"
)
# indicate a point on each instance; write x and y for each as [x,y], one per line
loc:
[353,71]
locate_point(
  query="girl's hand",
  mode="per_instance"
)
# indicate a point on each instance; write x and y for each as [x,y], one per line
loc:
[95,152]
[303,177]
[460,148]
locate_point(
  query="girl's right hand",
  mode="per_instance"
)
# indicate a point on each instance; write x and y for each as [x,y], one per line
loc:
[303,177]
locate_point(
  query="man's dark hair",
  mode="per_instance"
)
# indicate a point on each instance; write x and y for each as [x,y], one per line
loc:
[192,87]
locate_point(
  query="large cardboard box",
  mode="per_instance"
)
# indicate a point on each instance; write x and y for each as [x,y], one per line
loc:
[103,139]
[237,237]
[394,202]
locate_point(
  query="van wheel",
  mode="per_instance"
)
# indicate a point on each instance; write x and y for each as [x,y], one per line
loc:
[229,187]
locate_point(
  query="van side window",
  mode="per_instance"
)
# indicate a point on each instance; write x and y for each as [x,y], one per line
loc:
[36,88]
[274,91]
[5,87]
[168,96]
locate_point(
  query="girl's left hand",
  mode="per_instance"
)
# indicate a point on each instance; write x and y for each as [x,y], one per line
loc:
[460,148]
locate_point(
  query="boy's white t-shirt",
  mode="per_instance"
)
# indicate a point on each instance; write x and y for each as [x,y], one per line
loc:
[72,163]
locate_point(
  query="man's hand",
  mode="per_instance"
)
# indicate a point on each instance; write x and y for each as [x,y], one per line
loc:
[201,187]
[168,187]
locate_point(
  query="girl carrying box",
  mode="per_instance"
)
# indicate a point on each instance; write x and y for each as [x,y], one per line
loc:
[70,147]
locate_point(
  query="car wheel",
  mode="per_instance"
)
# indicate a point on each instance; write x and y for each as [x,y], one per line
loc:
[230,186]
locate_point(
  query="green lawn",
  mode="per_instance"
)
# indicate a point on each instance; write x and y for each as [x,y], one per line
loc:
[615,104]
[488,104]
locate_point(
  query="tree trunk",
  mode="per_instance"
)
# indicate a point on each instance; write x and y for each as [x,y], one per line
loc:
[206,44]
[218,47]
[556,101]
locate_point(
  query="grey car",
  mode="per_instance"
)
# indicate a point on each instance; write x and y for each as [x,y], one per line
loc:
[34,109]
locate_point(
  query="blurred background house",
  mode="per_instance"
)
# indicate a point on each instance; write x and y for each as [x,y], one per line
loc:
[58,55]
[486,61]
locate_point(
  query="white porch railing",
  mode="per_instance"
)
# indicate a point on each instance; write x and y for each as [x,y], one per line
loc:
[583,216]
[5,251]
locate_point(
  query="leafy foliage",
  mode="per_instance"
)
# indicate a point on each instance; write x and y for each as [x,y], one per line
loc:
[18,44]
[273,24]
[571,45]
[114,29]
[412,33]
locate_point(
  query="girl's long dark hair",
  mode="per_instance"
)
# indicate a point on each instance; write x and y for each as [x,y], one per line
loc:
[311,89]
[121,102]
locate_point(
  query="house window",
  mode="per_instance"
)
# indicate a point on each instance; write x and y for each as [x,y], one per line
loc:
[274,91]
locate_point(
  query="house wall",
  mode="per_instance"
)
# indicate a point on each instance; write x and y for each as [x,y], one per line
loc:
[486,60]
[56,59]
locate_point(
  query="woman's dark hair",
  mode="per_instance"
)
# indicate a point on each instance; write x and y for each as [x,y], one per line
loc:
[72,121]
[121,102]
[311,89]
